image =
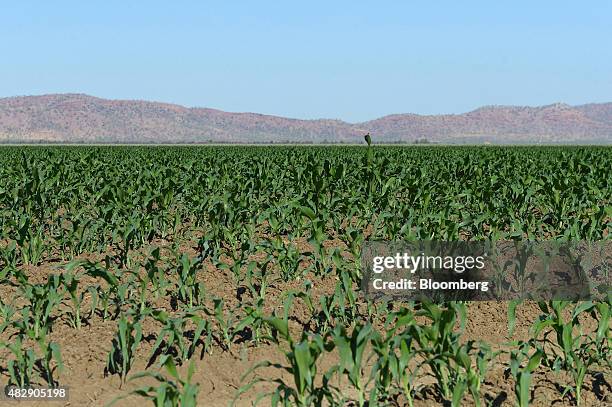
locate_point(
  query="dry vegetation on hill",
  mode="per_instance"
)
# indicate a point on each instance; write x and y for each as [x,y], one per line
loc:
[86,119]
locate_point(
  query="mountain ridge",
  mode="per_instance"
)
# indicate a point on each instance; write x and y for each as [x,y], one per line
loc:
[81,118]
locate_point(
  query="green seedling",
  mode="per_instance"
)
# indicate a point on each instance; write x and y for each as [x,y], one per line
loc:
[302,357]
[172,390]
[351,349]
[8,261]
[51,354]
[474,373]
[71,279]
[439,343]
[394,351]
[124,346]
[21,368]
[171,338]
[156,276]
[43,300]
[70,282]
[227,323]
[7,312]
[522,366]
[191,292]
[574,349]
[30,240]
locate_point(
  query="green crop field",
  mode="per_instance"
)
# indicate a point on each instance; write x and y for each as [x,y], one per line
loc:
[219,275]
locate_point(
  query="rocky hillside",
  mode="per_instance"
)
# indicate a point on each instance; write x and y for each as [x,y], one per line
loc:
[86,119]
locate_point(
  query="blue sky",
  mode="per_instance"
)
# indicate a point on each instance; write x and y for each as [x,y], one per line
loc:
[348,60]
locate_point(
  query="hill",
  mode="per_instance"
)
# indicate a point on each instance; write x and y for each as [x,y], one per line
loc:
[79,118]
